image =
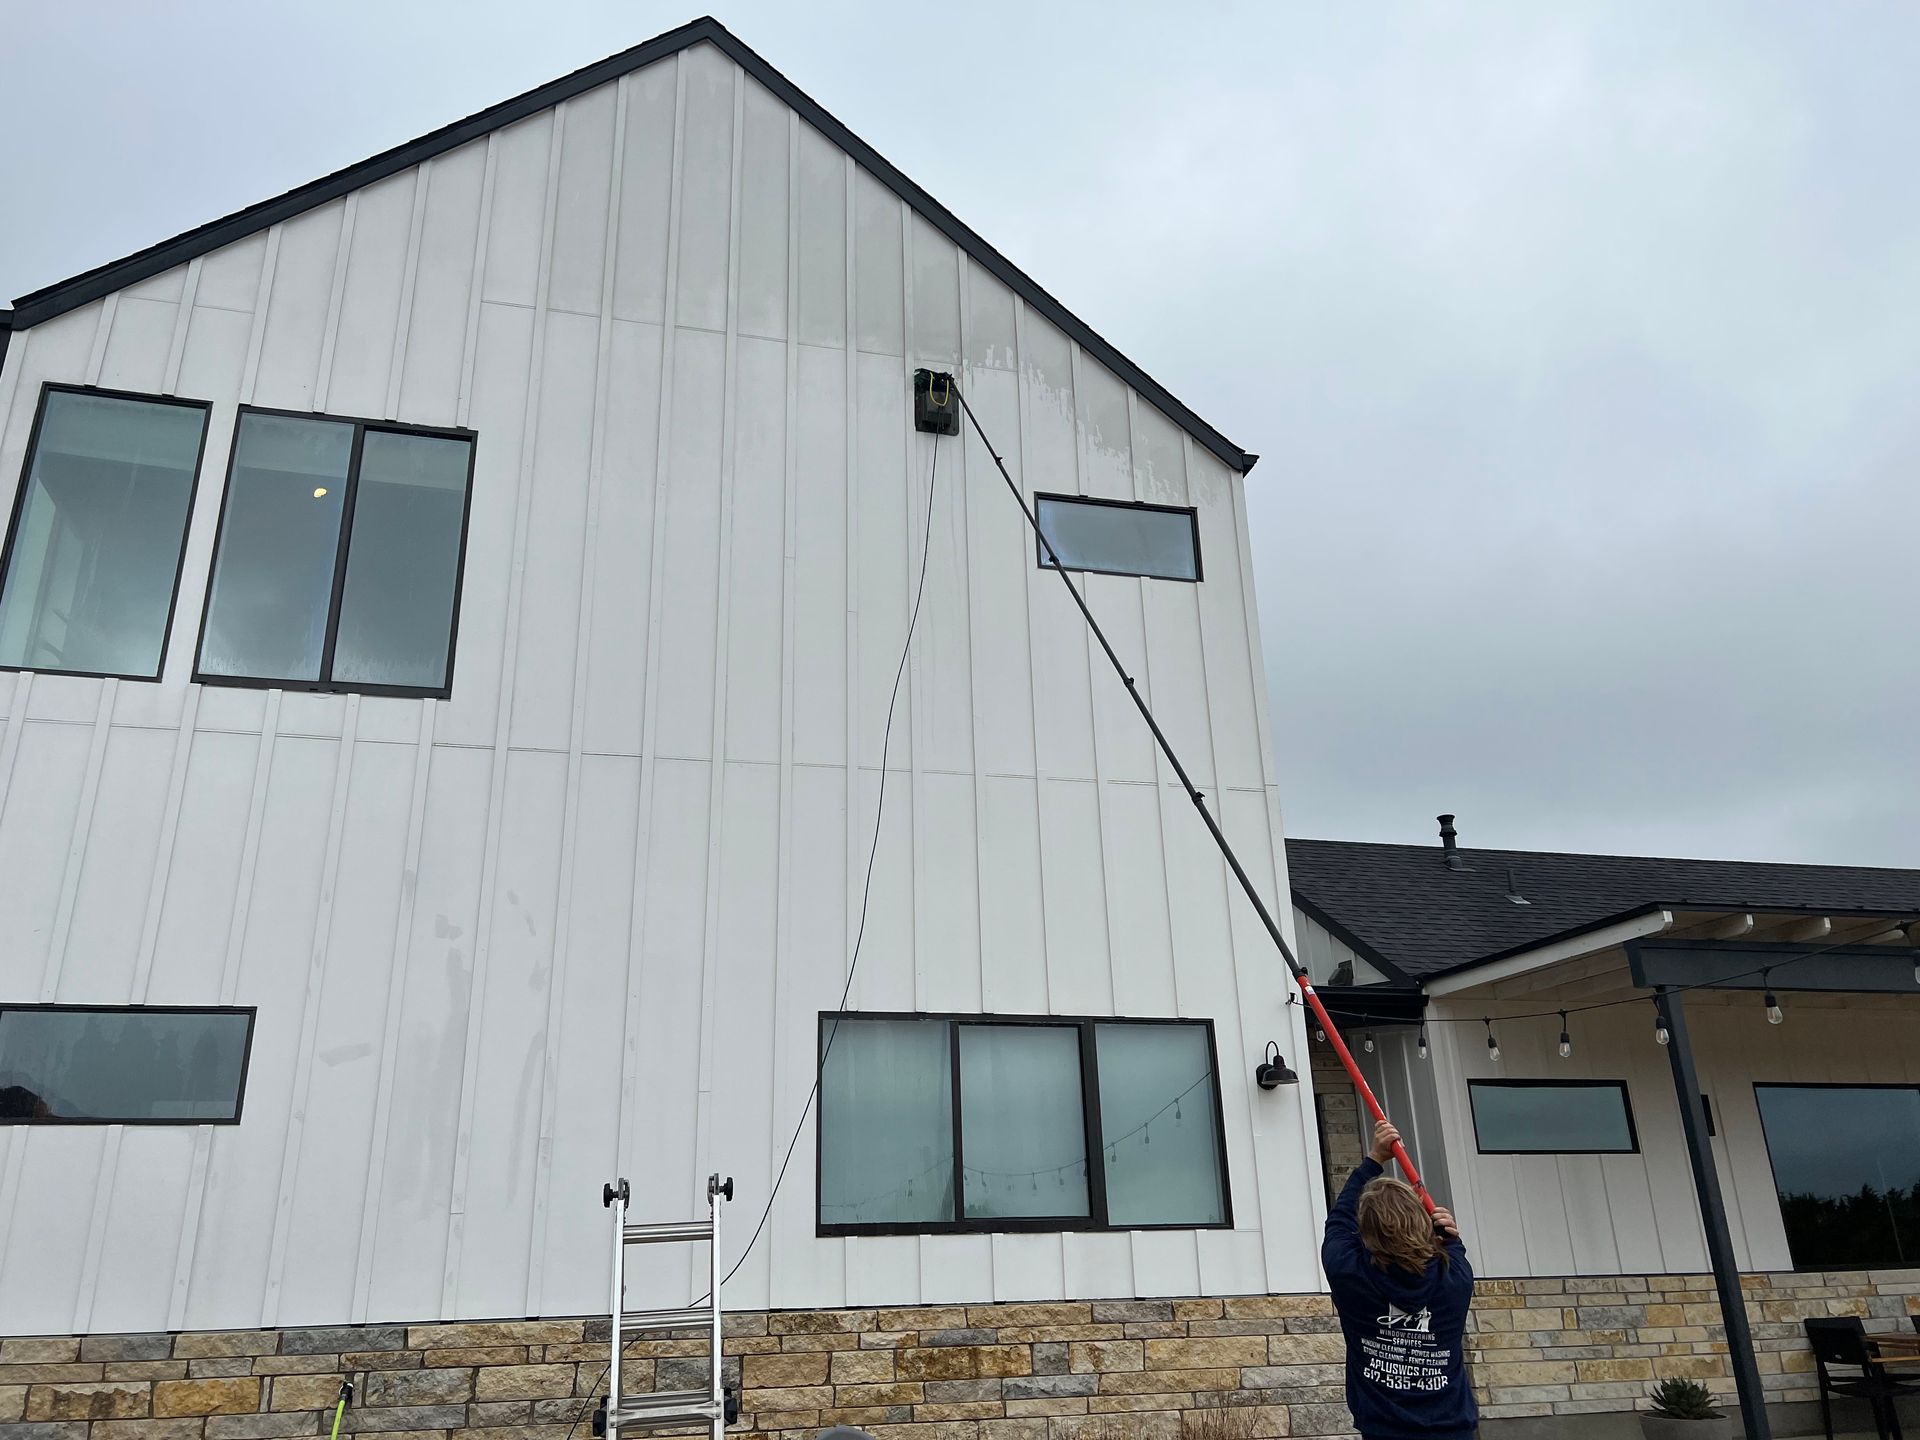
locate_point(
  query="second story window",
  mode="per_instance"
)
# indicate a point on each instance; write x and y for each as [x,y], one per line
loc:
[1119,537]
[338,565]
[93,552]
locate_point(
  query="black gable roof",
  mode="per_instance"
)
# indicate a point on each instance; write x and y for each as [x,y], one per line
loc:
[1403,904]
[57,299]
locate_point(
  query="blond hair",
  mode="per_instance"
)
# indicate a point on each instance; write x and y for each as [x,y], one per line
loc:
[1395,1227]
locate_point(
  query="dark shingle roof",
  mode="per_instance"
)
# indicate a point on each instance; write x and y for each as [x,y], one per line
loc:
[57,299]
[1402,903]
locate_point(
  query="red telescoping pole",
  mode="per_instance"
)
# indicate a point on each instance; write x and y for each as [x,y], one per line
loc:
[1359,1081]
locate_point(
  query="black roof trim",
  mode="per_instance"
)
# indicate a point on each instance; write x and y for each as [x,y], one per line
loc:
[57,299]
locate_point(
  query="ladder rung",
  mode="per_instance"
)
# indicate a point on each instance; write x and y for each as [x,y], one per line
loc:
[669,1407]
[667,1231]
[634,1321]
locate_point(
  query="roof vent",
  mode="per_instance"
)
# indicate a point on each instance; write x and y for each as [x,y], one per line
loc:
[1513,889]
[1449,843]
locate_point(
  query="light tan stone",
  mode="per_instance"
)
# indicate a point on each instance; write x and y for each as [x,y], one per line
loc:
[232,1396]
[491,1333]
[899,1393]
[88,1400]
[861,1367]
[1102,1355]
[522,1382]
[211,1344]
[769,1372]
[13,1403]
[1168,1382]
[40,1350]
[1274,1307]
[304,1392]
[1206,1354]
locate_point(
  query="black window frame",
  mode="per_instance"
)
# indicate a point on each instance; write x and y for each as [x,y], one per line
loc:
[325,685]
[252,1012]
[1192,513]
[1094,1221]
[1794,1265]
[1499,1083]
[51,387]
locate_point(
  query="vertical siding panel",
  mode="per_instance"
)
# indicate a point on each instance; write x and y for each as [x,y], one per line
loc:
[82,826]
[583,235]
[299,310]
[409,286]
[183,318]
[706,190]
[230,276]
[164,848]
[429,370]
[643,269]
[598,192]
[372,317]
[103,940]
[391,1012]
[502,269]
[316,972]
[631,1119]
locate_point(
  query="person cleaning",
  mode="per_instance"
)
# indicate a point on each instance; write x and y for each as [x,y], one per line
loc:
[1401,1286]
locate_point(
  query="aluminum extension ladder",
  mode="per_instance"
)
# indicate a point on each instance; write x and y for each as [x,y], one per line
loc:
[717,1406]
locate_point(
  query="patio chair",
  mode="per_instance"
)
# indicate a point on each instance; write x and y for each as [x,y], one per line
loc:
[1842,1342]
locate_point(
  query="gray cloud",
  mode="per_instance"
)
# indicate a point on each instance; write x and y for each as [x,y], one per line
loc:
[1578,339]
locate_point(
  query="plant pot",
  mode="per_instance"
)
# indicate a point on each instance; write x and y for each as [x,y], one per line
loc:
[1665,1427]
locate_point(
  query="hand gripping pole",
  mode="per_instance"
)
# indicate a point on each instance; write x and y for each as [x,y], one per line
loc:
[1300,977]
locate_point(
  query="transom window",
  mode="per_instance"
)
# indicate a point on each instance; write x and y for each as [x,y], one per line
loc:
[106,1065]
[339,560]
[1552,1117]
[1119,537]
[93,551]
[1846,1163]
[990,1123]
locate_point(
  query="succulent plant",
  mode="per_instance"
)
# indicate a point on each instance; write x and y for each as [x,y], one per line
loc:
[1684,1400]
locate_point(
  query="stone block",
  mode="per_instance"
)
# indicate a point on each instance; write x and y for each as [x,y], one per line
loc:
[1050,1358]
[1275,1307]
[273,1426]
[1690,1367]
[219,1367]
[858,1367]
[949,1392]
[1198,1309]
[1167,1382]
[417,1387]
[523,1382]
[87,1400]
[342,1338]
[40,1350]
[126,1347]
[229,1396]
[33,1374]
[275,1365]
[1119,1312]
[830,1322]
[1207,1354]
[179,1429]
[496,1332]
[149,1369]
[963,1336]
[1149,1425]
[960,1410]
[1614,1369]
[512,1432]
[403,1418]
[1098,1355]
[13,1403]
[452,1357]
[963,1362]
[495,1413]
[1047,1313]
[1030,1429]
[789,1397]
[899,1393]
[305,1392]
[1063,1405]
[381,1360]
[1320,1349]
[207,1344]
[1044,1387]
[768,1372]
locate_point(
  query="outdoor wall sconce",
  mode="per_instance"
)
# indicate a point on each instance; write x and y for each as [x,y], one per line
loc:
[1273,1072]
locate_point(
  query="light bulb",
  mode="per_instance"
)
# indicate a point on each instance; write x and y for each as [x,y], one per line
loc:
[1774,1013]
[1660,1033]
[1319,1035]
[1367,1044]
[1493,1045]
[320,492]
[1566,1046]
[1423,1042]
[1916,972]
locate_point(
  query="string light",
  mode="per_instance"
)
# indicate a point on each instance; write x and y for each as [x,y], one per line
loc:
[1774,1013]
[1423,1039]
[1367,1044]
[1493,1045]
[1566,1041]
[1661,1034]
[1320,1034]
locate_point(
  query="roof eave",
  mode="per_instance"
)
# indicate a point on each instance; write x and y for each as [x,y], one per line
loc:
[51,300]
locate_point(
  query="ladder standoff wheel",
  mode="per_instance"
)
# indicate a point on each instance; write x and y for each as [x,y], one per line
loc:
[620,1192]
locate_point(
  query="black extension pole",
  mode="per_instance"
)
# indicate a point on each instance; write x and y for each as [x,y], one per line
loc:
[1298,971]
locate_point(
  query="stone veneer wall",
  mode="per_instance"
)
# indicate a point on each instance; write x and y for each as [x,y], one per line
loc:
[1099,1370]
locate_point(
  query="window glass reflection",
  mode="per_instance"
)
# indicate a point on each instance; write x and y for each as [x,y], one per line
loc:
[121,1065]
[1846,1163]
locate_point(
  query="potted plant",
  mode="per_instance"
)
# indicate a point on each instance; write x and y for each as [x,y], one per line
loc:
[1684,1410]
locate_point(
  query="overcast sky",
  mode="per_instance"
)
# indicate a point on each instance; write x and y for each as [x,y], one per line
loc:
[1581,342]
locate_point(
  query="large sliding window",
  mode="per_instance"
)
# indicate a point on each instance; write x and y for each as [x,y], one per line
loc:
[1552,1117]
[339,559]
[1846,1163]
[92,559]
[979,1123]
[104,1065]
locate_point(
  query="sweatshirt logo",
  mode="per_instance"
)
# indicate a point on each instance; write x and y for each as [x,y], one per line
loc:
[1420,1321]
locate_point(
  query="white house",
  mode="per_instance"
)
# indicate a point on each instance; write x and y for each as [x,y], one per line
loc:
[449,618]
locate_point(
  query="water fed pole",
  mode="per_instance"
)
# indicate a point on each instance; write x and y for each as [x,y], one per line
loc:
[934,398]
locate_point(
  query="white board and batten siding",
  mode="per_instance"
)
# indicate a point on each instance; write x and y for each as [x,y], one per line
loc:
[1637,1214]
[582,915]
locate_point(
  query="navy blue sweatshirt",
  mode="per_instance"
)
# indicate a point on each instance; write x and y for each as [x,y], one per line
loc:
[1406,1378]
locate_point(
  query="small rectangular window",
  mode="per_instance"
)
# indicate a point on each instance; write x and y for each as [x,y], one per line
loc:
[80,1065]
[1115,537]
[338,564]
[1048,1123]
[94,547]
[1552,1117]
[1846,1164]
